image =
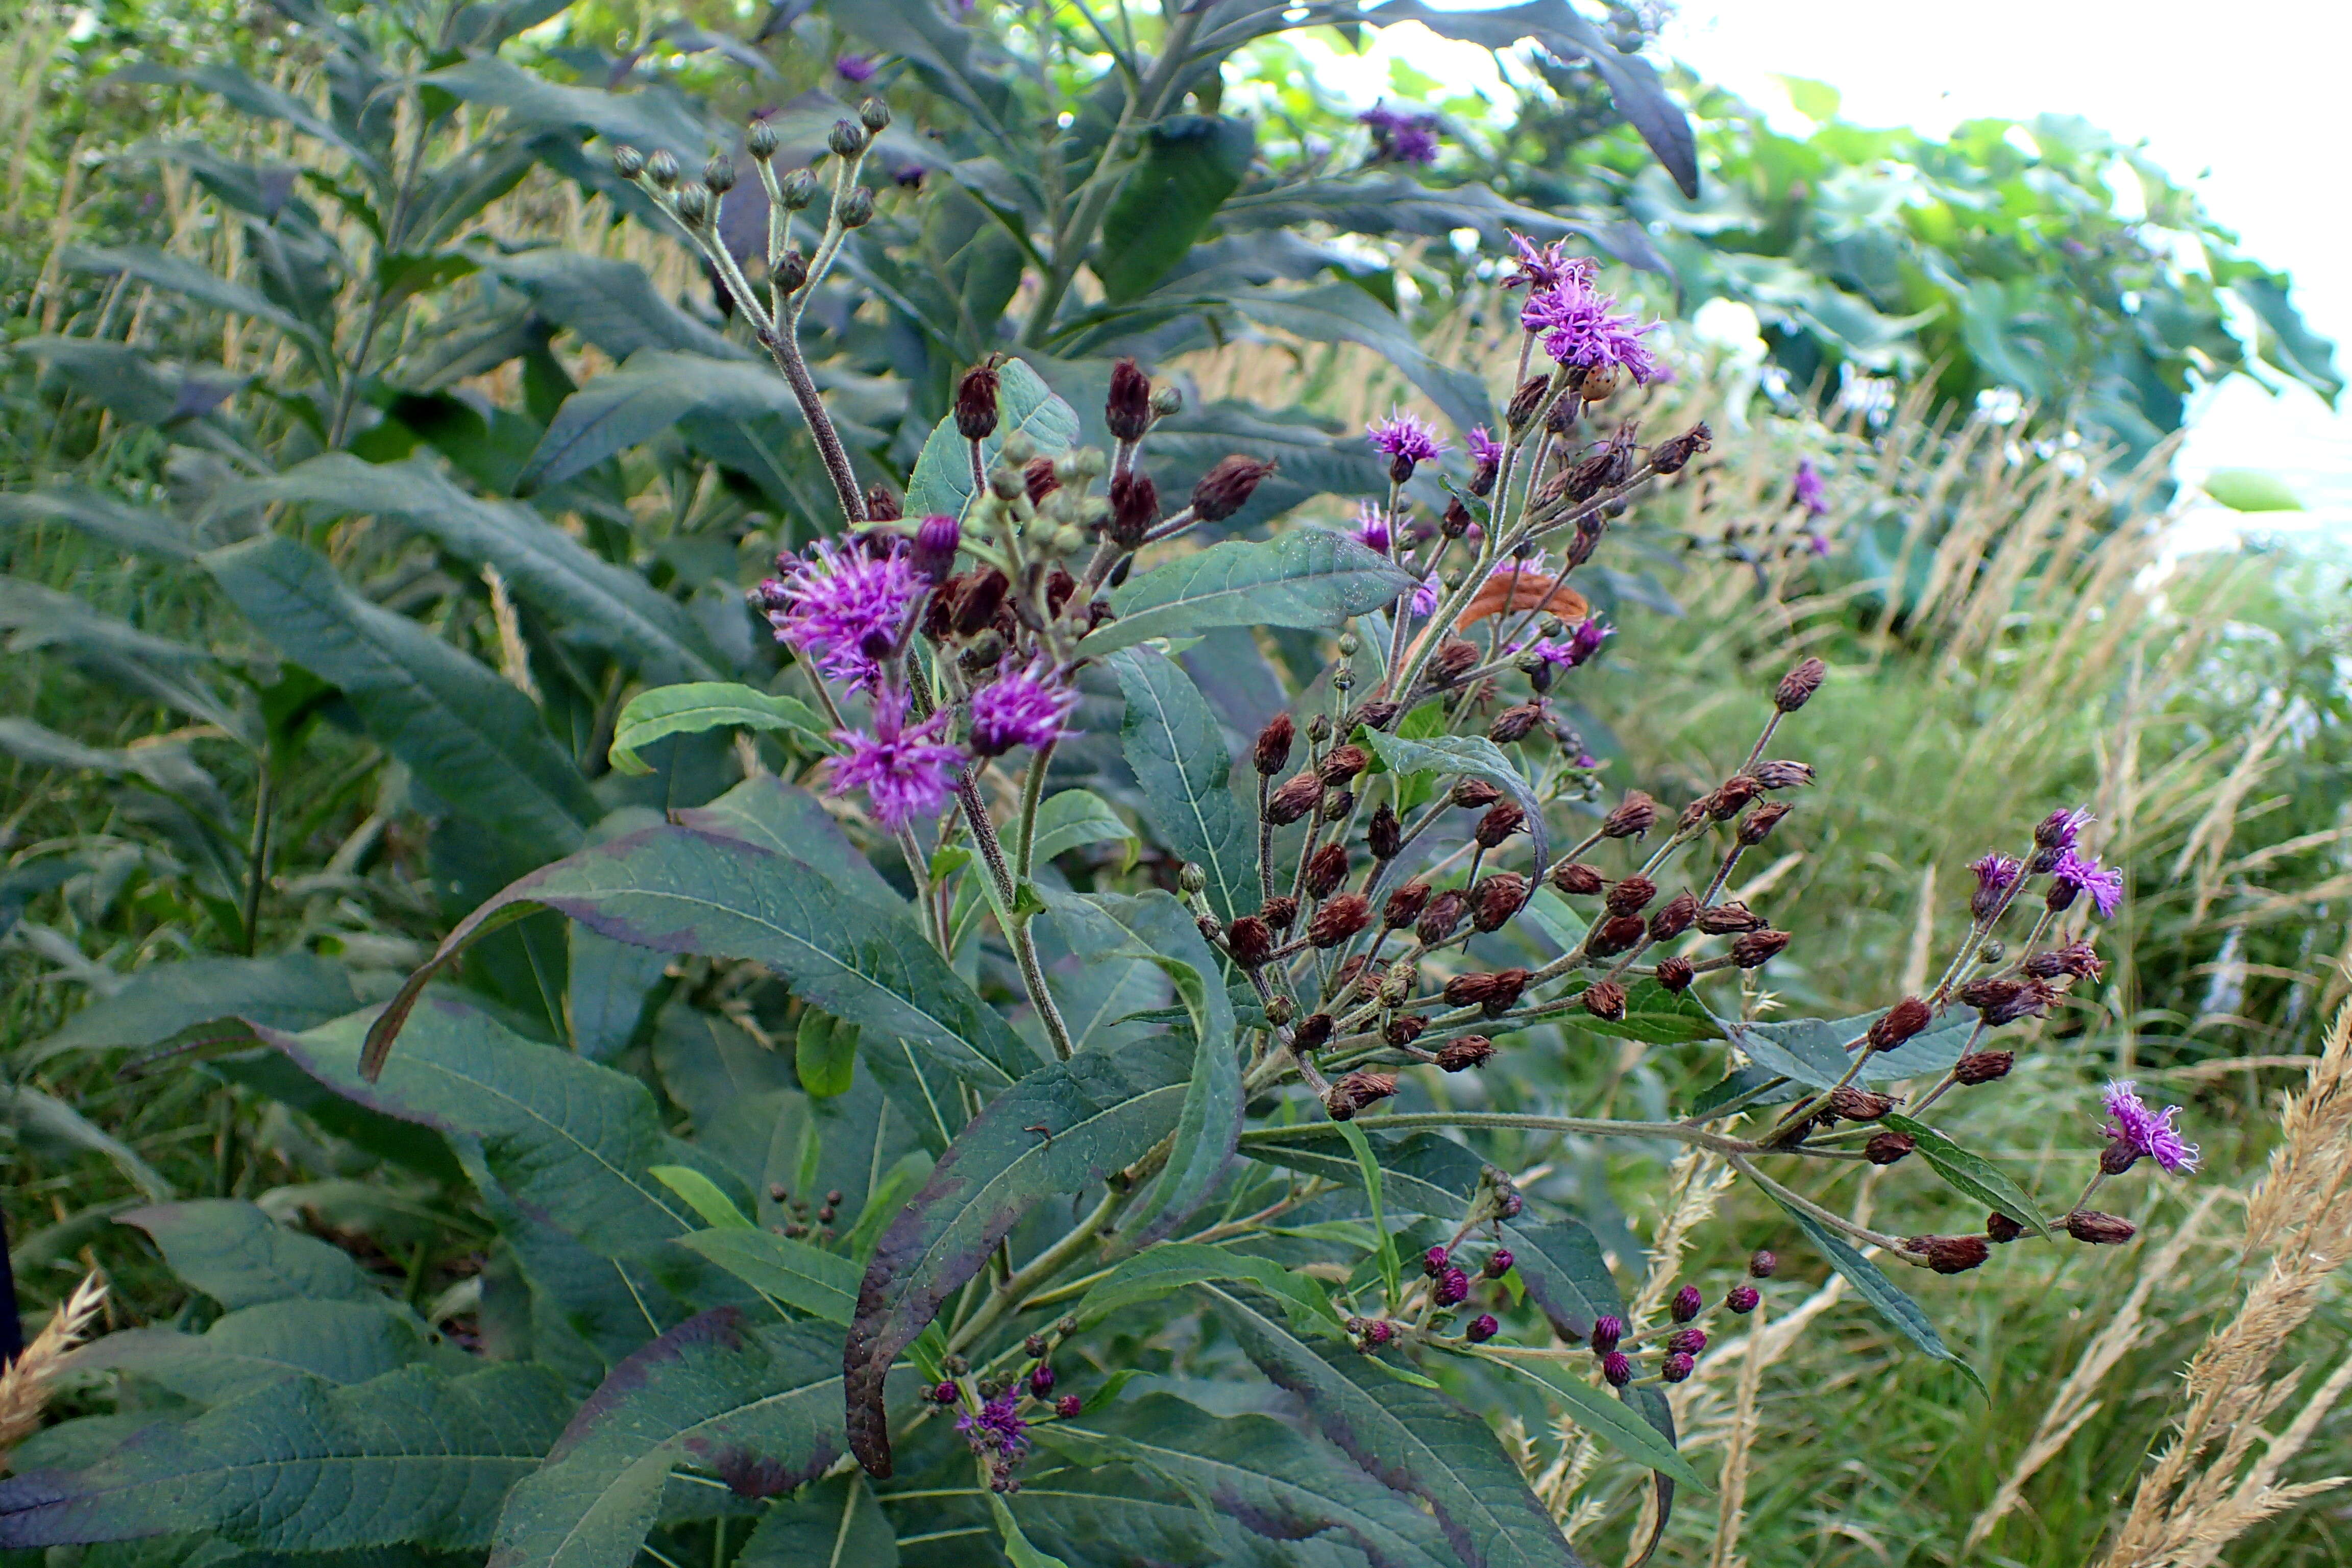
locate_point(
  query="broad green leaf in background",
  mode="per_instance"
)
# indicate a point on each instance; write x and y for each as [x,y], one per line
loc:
[1343,313]
[696,706]
[761,1405]
[1302,577]
[610,302]
[1970,1173]
[239,1257]
[185,278]
[703,1195]
[102,517]
[1885,1296]
[836,1523]
[43,1122]
[941,483]
[824,1054]
[342,1341]
[1602,1413]
[790,821]
[1471,756]
[410,1458]
[2252,489]
[293,991]
[1160,1272]
[1191,163]
[654,391]
[1561,1265]
[1062,1128]
[1071,817]
[1180,755]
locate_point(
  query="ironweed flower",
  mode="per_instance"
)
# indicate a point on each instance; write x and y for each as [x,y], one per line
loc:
[1809,491]
[1484,448]
[2075,874]
[843,607]
[1023,708]
[906,772]
[1582,328]
[2060,829]
[855,68]
[1482,1327]
[1401,138]
[996,1427]
[2148,1132]
[1996,875]
[1372,528]
[1406,440]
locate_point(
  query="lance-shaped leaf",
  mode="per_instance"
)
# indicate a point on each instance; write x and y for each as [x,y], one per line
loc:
[1472,756]
[1303,577]
[43,1121]
[837,1523]
[1178,751]
[1813,1051]
[941,483]
[698,705]
[654,392]
[609,605]
[680,890]
[340,1341]
[1413,1439]
[1062,1128]
[1156,1272]
[807,1279]
[646,120]
[1602,1413]
[789,820]
[1885,1296]
[1348,314]
[1191,163]
[759,1407]
[1654,1015]
[102,517]
[611,303]
[468,736]
[183,277]
[239,1257]
[411,1457]
[1073,817]
[1314,459]
[1561,1266]
[1969,1173]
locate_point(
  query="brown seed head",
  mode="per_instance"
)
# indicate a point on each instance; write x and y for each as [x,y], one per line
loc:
[1456,522]
[2100,1229]
[1634,816]
[1496,898]
[1293,800]
[2000,1228]
[1340,917]
[1525,402]
[1501,820]
[1757,824]
[1134,507]
[1250,941]
[1855,1104]
[1513,724]
[882,505]
[1983,1067]
[1604,999]
[1675,974]
[1375,715]
[1729,920]
[1438,921]
[1951,1254]
[1632,896]
[1357,1089]
[1314,1030]
[1225,488]
[1473,794]
[1336,804]
[1898,1024]
[1782,775]
[1673,455]
[1279,913]
[1469,1051]
[2119,1157]
[1342,763]
[1758,948]
[1885,1147]
[1038,475]
[1403,1029]
[1272,752]
[1456,658]
[1731,796]
[1796,686]
[1128,410]
[1384,834]
[1405,904]
[1577,878]
[1614,935]
[1326,870]
[1675,917]
[975,404]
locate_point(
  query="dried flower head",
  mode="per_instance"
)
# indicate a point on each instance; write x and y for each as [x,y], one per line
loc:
[1950,1254]
[1341,917]
[1604,999]
[1996,875]
[1796,686]
[1675,917]
[1225,488]
[1983,1067]
[1885,1147]
[1467,1052]
[2100,1229]
[1126,410]
[1577,878]
[1898,1024]
[1496,898]
[1350,1094]
[1293,800]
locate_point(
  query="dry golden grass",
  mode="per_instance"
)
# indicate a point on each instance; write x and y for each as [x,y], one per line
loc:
[24,1384]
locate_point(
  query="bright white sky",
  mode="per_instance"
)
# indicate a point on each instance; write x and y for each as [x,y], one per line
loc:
[2248,106]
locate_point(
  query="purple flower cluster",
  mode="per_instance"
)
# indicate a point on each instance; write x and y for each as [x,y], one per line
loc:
[1808,493]
[907,771]
[1401,138]
[996,1428]
[1372,528]
[1405,435]
[2132,1120]
[2078,873]
[855,68]
[844,608]
[1021,707]
[1580,644]
[1484,451]
[1542,267]
[1582,327]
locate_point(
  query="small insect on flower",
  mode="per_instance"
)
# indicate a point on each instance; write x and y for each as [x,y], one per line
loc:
[2148,1132]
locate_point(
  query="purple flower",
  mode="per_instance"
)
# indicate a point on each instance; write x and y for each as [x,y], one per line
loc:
[1583,328]
[2148,1132]
[1403,138]
[1575,648]
[995,1426]
[1541,266]
[1424,598]
[1484,448]
[2076,874]
[1372,528]
[856,68]
[2060,829]
[906,772]
[1404,436]
[1809,491]
[1022,707]
[843,607]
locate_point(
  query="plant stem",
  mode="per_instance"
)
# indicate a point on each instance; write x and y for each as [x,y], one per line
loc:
[1002,893]
[1038,1269]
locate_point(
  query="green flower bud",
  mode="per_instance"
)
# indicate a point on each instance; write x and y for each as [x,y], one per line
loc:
[761,141]
[800,188]
[693,205]
[628,163]
[874,114]
[848,138]
[719,174]
[1167,401]
[662,169]
[856,208]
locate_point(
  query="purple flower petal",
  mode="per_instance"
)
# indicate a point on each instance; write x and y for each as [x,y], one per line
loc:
[2132,1120]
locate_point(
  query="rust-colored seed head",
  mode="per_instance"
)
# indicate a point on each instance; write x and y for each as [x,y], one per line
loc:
[1473,794]
[1675,974]
[1614,935]
[1469,1051]
[1059,586]
[1438,921]
[1796,686]
[1855,1104]
[1279,913]
[1758,948]
[1501,820]
[1456,520]
[975,404]
[1357,1089]
[1342,763]
[1675,917]
[1634,816]
[1577,878]
[1983,1067]
[1632,896]
[1729,920]
[1343,979]
[1782,775]
[1038,475]
[1990,991]
[1514,724]
[1375,715]
[1482,989]
[1225,488]
[1693,816]
[1340,917]
[1326,870]
[1496,898]
[2100,1229]
[2000,1228]
[1758,824]
[1338,803]
[1405,904]
[1405,1028]
[1673,455]
[882,505]
[1134,507]
[1128,410]
[1384,834]
[1951,1254]
[1731,797]
[1456,658]
[1272,752]
[1314,1030]
[1293,800]
[1604,999]
[1898,1024]
[2033,999]
[1885,1147]
[977,602]
[1525,401]
[1250,941]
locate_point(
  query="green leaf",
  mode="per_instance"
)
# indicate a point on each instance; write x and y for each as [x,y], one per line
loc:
[253,98]
[1416,1441]
[680,890]
[468,736]
[1062,1128]
[824,1054]
[130,528]
[643,119]
[1368,1168]
[342,1343]
[696,706]
[653,393]
[1191,163]
[2252,489]
[609,606]
[409,1458]
[803,1278]
[1970,1173]
[47,1124]
[789,821]
[941,483]
[1179,755]
[1882,1294]
[1158,1272]
[239,1257]
[1653,1014]
[1812,1050]
[1469,756]
[128,383]
[1561,1266]
[1071,817]
[1602,1413]
[611,303]
[1017,1548]
[1343,313]
[1303,577]
[1315,458]
[836,1523]
[702,1196]
[711,1393]
[183,277]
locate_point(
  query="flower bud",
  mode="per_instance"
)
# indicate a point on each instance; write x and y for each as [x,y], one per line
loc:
[1885,1147]
[1293,800]
[792,270]
[1134,507]
[846,138]
[662,168]
[1677,1366]
[1606,1333]
[1513,724]
[975,404]
[2000,1228]
[856,208]
[1068,1406]
[1271,754]
[1673,455]
[1436,1261]
[1758,948]
[1456,658]
[1338,803]
[1384,836]
[1041,1381]
[2119,1157]
[1675,917]
[1604,999]
[1982,1066]
[934,551]
[1688,1304]
[1951,1254]
[1379,1330]
[1577,878]
[1525,402]
[1326,870]
[1342,763]
[1481,1329]
[1763,1263]
[1498,1263]
[1796,686]
[628,163]
[1437,922]
[1496,993]
[799,189]
[1404,904]
[1676,973]
[1314,1031]
[1501,820]
[1279,913]
[1855,1104]
[1339,918]
[1781,775]
[2075,961]
[1618,1368]
[1468,1051]
[945,1393]
[1453,1289]
[1634,816]
[1357,1089]
[1632,896]
[719,174]
[1694,816]
[875,115]
[693,205]
[1731,796]
[1729,920]
[1225,488]
[1403,1028]
[1038,479]
[1250,941]
[1496,898]
[2099,1229]
[1456,521]
[1618,934]
[761,139]
[1473,794]
[1128,411]
[1898,1024]
[1191,880]
[1742,1299]
[1757,824]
